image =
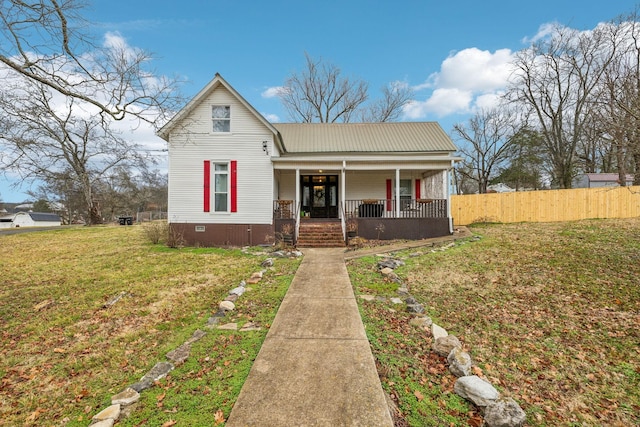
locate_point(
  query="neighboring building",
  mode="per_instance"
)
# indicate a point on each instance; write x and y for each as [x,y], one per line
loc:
[24,207]
[595,180]
[237,179]
[30,219]
[499,188]
[6,221]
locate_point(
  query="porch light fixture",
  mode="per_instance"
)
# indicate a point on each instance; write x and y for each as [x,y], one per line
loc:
[264,147]
[319,170]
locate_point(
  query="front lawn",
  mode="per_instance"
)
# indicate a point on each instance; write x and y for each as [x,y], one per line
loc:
[550,314]
[63,353]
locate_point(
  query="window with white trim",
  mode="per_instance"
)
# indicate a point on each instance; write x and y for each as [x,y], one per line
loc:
[405,193]
[221,187]
[221,116]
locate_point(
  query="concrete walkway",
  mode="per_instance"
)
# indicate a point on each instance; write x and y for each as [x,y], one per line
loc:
[315,367]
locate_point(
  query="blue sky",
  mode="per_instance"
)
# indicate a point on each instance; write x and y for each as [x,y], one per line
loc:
[453,53]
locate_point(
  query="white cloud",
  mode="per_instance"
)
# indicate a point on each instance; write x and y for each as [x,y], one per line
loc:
[467,79]
[544,31]
[488,100]
[273,118]
[273,92]
[475,70]
[442,102]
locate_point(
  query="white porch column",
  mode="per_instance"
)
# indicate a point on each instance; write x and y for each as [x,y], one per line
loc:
[296,201]
[343,186]
[397,193]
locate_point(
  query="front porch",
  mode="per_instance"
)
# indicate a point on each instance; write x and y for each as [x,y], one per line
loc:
[379,219]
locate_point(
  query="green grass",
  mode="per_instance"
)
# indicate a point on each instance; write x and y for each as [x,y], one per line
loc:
[550,314]
[63,355]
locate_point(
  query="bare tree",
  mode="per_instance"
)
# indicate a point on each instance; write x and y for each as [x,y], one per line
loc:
[44,42]
[321,94]
[556,80]
[618,106]
[49,140]
[485,142]
[62,93]
[389,107]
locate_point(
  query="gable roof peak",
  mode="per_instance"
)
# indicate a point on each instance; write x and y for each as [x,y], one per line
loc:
[216,82]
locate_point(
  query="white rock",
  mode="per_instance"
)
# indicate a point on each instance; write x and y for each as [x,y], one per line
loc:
[229,327]
[110,413]
[475,389]
[237,291]
[367,297]
[126,397]
[396,301]
[438,331]
[443,345]
[227,306]
[459,362]
[386,271]
[421,321]
[504,412]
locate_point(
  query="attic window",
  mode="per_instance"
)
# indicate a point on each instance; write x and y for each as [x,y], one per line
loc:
[221,115]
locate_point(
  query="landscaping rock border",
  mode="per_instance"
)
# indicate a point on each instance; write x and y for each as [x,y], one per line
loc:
[498,411]
[125,401]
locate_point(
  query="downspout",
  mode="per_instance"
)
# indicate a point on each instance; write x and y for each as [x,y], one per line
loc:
[296,207]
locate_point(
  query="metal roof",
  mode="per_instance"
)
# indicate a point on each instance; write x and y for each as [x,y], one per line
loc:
[409,137]
[43,216]
[606,177]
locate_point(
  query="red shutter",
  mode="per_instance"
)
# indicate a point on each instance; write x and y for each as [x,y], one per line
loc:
[234,186]
[389,195]
[207,186]
[418,189]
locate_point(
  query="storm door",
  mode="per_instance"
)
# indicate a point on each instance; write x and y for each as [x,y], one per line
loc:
[319,196]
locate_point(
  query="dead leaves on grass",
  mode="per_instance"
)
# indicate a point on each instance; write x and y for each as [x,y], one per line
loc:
[219,417]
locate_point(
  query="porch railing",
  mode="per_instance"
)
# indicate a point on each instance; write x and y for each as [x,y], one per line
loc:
[284,209]
[386,208]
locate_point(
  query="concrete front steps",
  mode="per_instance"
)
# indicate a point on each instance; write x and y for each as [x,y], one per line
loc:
[320,234]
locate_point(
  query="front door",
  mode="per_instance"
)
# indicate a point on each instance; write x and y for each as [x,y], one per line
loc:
[320,196]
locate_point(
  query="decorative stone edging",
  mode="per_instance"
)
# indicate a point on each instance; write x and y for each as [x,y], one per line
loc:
[497,411]
[124,402]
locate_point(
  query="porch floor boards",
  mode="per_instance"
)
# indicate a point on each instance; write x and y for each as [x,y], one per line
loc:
[320,234]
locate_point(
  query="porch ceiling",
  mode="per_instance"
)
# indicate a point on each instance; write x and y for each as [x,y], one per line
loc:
[441,164]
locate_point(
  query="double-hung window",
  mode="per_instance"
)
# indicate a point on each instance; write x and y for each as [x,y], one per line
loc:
[405,194]
[224,188]
[221,187]
[221,116]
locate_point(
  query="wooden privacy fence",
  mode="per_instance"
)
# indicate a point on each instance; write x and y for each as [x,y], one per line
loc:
[547,205]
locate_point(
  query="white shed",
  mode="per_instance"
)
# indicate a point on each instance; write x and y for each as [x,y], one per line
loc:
[36,219]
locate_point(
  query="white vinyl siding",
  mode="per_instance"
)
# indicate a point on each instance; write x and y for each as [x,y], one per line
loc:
[188,151]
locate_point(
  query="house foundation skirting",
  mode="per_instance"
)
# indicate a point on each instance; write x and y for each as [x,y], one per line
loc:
[402,228]
[224,235]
